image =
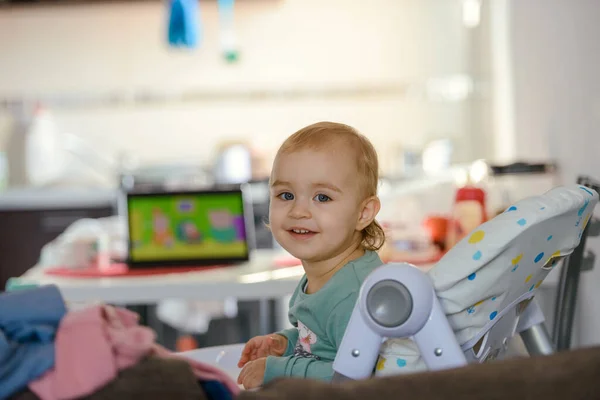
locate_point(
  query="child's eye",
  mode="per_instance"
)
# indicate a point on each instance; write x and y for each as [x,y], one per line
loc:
[322,198]
[286,196]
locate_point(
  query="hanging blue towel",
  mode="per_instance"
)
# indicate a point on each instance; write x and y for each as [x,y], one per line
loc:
[183,23]
[29,320]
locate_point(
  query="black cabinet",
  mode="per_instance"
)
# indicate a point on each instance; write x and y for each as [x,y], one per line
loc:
[29,219]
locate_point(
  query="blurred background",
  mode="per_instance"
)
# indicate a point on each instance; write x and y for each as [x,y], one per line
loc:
[96,96]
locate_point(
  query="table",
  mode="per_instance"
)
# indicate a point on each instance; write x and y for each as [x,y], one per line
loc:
[259,279]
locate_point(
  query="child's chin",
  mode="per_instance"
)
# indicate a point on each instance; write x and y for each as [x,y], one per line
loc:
[301,254]
[307,255]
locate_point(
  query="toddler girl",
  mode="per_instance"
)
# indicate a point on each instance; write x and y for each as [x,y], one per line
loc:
[323,207]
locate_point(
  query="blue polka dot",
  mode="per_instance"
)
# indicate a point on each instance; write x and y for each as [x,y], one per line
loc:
[494,298]
[543,208]
[539,257]
[472,276]
[401,362]
[515,268]
[493,315]
[549,238]
[522,222]
[511,208]
[531,288]
[477,255]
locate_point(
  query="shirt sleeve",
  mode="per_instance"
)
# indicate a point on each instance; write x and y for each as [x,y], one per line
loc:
[299,367]
[291,335]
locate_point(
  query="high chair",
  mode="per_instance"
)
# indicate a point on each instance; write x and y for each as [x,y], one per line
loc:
[471,303]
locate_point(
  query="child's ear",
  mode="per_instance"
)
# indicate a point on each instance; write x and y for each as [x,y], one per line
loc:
[369,210]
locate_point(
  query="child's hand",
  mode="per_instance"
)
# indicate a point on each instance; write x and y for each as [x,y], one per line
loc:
[263,346]
[253,374]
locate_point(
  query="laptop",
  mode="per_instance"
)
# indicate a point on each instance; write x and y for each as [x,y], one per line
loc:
[187,228]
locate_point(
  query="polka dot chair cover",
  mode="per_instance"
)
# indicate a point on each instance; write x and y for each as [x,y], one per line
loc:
[486,281]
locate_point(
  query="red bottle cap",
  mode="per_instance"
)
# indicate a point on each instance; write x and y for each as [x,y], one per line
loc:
[470,193]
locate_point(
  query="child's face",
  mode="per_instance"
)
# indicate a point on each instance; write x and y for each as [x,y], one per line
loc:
[315,203]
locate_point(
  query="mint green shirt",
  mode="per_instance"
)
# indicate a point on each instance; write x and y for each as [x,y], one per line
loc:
[320,320]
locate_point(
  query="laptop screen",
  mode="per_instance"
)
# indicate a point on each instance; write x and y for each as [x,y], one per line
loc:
[189,228]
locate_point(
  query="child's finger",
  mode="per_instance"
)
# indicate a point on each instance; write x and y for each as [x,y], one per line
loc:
[277,344]
[242,375]
[263,350]
[246,353]
[246,350]
[249,381]
[255,380]
[243,360]
[273,342]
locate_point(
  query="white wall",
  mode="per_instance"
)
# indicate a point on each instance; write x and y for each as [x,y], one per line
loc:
[556,64]
[284,44]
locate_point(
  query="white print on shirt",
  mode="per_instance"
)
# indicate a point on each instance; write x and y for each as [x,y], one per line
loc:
[306,338]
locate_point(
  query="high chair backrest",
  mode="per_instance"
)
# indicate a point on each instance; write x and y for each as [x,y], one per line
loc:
[487,280]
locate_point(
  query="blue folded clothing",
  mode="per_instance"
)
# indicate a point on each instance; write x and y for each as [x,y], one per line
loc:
[215,390]
[29,320]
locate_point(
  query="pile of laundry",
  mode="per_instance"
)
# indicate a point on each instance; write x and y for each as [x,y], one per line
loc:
[99,352]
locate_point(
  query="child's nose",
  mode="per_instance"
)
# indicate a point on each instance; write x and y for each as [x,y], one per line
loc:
[300,210]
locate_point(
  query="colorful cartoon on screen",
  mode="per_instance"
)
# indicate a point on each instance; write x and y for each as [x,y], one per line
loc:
[182,228]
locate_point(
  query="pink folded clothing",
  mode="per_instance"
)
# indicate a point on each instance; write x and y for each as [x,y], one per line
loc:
[94,344]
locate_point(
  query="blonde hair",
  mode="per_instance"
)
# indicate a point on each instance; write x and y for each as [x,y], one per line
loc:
[319,136]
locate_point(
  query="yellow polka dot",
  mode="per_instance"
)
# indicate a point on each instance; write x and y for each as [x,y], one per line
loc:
[555,254]
[479,303]
[381,363]
[528,278]
[537,285]
[477,237]
[516,260]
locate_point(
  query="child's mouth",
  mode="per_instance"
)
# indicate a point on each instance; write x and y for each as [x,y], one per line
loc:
[301,233]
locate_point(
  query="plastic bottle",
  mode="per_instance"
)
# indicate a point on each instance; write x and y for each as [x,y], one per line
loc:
[44,152]
[468,213]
